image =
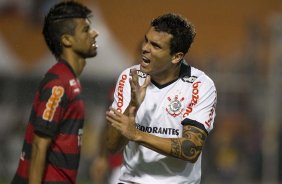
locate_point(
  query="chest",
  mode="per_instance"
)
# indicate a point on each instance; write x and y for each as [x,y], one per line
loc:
[165,107]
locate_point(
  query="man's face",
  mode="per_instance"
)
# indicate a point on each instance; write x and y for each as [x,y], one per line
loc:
[84,39]
[156,58]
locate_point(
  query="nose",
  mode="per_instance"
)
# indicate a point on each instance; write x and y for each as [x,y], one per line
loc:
[145,47]
[94,33]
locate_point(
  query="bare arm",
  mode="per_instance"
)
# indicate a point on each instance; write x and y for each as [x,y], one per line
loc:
[188,147]
[115,141]
[100,166]
[40,146]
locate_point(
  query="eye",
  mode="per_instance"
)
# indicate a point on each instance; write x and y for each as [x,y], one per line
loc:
[86,29]
[155,45]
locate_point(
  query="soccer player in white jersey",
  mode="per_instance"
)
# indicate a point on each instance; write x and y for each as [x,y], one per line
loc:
[163,109]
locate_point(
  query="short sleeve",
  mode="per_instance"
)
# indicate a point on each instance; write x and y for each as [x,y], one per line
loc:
[49,109]
[201,108]
[122,93]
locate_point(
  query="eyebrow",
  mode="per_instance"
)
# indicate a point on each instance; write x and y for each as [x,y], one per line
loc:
[152,42]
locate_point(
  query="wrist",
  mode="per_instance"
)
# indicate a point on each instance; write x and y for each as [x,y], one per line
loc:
[134,104]
[138,136]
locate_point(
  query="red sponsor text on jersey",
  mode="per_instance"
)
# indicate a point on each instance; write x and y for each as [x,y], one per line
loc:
[194,100]
[53,102]
[120,92]
[208,123]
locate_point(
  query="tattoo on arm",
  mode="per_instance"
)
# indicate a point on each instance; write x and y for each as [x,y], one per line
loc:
[190,146]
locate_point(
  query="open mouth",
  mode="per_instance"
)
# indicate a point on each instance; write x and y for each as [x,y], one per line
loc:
[145,60]
[94,45]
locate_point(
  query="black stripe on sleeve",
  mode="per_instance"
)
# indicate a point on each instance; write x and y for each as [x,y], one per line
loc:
[64,160]
[45,128]
[27,150]
[188,121]
[47,78]
[19,180]
[71,126]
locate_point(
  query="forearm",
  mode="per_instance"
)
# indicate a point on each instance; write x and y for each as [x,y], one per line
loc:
[185,148]
[38,159]
[158,144]
[37,165]
[114,140]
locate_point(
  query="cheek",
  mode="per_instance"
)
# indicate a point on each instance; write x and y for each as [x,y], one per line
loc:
[161,58]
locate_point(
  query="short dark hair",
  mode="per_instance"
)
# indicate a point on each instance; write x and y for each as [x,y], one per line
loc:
[59,21]
[180,28]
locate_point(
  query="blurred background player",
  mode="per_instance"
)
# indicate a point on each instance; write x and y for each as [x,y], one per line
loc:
[106,166]
[52,144]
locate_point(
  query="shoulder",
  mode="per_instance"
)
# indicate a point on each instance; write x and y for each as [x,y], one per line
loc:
[202,77]
[58,74]
[62,70]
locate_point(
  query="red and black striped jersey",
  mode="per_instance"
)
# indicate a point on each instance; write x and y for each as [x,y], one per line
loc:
[57,112]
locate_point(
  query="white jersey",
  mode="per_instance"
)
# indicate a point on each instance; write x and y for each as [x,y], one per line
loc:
[191,99]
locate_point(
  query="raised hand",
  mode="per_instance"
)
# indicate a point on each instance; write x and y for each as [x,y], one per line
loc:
[138,92]
[125,124]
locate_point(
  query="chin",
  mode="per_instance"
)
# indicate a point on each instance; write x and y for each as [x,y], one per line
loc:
[90,55]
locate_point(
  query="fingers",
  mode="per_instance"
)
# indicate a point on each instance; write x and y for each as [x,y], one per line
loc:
[134,75]
[132,86]
[114,111]
[113,115]
[147,81]
[134,80]
[113,121]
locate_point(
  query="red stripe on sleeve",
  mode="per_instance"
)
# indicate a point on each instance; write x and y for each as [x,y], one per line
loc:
[66,144]
[59,174]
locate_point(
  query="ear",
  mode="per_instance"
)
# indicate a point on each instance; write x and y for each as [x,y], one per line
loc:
[66,40]
[176,58]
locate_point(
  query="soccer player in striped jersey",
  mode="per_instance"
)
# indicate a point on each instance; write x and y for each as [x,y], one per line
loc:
[163,109]
[52,144]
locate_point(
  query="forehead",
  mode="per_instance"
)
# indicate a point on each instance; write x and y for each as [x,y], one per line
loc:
[158,37]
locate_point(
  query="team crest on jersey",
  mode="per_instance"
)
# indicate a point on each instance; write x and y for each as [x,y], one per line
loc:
[189,79]
[74,85]
[175,106]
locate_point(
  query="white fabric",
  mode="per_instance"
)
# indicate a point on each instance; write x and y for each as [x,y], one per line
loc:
[161,114]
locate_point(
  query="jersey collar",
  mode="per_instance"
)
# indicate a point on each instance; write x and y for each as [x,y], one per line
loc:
[68,65]
[185,71]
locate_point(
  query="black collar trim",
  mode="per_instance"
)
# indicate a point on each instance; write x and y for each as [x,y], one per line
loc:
[68,65]
[185,70]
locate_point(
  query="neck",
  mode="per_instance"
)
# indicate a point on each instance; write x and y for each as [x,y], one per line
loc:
[76,63]
[167,76]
